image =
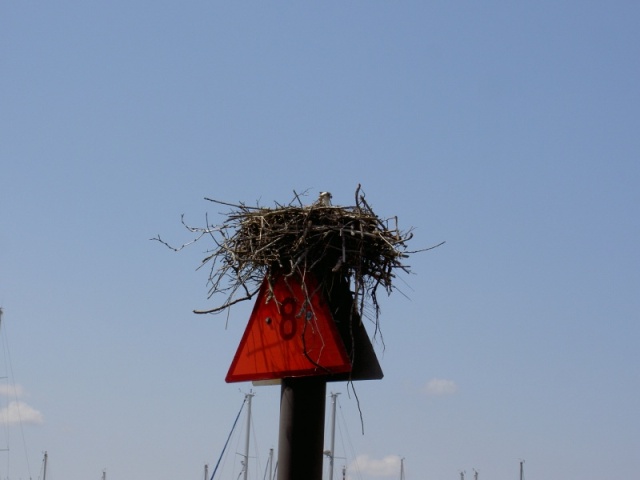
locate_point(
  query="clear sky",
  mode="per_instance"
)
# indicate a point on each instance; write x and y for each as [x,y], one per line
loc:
[510,130]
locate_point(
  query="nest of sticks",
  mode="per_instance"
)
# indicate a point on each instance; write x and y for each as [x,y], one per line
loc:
[352,243]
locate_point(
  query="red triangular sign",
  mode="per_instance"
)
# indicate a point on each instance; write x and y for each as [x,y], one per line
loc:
[290,333]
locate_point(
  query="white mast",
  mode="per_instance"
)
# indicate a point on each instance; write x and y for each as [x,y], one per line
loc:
[46,456]
[248,397]
[270,463]
[331,453]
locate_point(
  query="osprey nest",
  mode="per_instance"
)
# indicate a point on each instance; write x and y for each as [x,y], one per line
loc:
[352,243]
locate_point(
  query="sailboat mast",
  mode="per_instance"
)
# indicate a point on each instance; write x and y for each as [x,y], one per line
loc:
[44,461]
[402,468]
[206,471]
[248,397]
[521,469]
[333,434]
[270,463]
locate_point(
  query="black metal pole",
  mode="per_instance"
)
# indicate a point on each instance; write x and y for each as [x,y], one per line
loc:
[301,436]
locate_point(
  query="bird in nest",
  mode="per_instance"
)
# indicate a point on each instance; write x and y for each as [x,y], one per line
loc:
[324,199]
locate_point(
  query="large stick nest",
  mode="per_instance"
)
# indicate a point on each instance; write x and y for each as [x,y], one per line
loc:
[351,242]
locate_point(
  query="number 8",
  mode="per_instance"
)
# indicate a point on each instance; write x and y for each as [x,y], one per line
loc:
[288,314]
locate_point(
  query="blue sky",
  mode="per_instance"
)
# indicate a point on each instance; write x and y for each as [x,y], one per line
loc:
[508,130]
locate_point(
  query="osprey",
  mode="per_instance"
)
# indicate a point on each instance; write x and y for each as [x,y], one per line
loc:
[324,199]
